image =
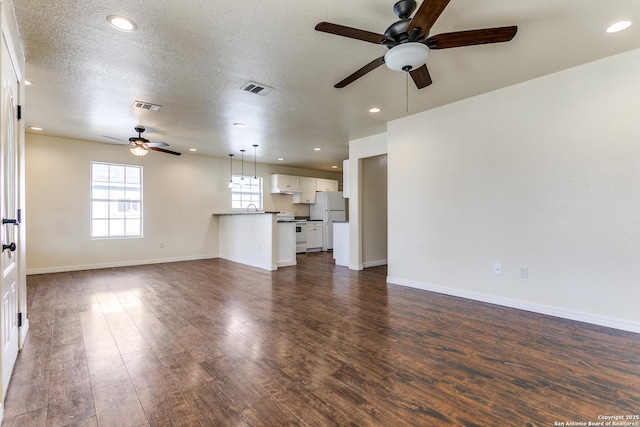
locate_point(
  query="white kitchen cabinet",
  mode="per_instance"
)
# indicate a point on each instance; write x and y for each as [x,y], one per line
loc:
[314,236]
[308,191]
[323,184]
[285,184]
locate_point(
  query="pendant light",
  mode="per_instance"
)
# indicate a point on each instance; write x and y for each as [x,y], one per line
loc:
[242,151]
[230,171]
[255,149]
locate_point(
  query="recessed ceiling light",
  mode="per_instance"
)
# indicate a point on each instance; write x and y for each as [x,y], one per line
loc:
[239,125]
[193,149]
[619,26]
[317,149]
[334,167]
[374,110]
[122,23]
[35,128]
[280,159]
[27,83]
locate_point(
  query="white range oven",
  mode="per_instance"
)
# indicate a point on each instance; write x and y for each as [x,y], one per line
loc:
[301,229]
[301,236]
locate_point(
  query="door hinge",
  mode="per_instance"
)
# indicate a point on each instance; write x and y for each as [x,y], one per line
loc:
[19,319]
[19,112]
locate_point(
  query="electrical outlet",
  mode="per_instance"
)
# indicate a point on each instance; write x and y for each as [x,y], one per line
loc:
[161,245]
[524,272]
[497,269]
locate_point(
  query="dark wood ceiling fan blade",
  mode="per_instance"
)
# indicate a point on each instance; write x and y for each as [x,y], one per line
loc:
[361,72]
[353,33]
[472,37]
[426,16]
[421,77]
[162,150]
[157,144]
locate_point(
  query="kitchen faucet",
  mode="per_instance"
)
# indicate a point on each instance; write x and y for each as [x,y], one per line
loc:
[254,206]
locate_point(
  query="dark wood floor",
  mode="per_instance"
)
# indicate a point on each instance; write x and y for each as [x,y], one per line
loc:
[213,343]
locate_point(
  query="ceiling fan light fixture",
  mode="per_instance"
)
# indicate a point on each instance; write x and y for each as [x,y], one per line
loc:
[139,151]
[406,56]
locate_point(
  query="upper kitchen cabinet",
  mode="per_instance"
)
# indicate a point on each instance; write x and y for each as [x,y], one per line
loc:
[285,184]
[308,191]
[323,184]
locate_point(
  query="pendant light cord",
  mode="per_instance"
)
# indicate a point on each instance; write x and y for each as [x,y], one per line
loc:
[230,170]
[255,168]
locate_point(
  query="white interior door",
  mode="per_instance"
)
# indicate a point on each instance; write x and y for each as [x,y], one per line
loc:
[10,216]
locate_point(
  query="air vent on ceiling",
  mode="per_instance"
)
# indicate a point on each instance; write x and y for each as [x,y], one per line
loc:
[257,88]
[146,105]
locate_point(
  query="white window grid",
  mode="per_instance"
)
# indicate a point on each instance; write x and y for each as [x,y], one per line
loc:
[246,191]
[116,200]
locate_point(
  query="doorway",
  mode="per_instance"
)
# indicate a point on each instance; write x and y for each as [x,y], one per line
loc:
[374,211]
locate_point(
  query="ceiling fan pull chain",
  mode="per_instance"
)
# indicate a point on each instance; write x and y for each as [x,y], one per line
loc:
[407,74]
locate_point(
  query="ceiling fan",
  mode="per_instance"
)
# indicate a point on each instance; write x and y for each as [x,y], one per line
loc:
[409,42]
[140,146]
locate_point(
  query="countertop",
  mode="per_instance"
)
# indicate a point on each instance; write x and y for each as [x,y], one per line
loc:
[243,213]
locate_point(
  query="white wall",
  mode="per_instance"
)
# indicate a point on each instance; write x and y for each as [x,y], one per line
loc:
[180,196]
[544,174]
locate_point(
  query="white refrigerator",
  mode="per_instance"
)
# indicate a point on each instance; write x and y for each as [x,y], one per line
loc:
[329,207]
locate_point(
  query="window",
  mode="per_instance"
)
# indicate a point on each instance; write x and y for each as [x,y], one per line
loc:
[116,200]
[246,192]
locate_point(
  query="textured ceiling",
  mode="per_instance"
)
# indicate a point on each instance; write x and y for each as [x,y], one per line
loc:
[193,56]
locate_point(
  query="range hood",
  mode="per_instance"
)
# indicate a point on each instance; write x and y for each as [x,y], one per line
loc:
[279,190]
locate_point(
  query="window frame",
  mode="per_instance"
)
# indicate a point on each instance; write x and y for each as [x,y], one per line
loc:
[241,190]
[119,207]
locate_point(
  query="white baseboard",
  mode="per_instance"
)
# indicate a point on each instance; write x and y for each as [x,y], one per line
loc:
[287,263]
[375,263]
[267,267]
[66,268]
[535,308]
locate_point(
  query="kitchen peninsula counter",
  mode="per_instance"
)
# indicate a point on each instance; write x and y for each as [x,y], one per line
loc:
[256,239]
